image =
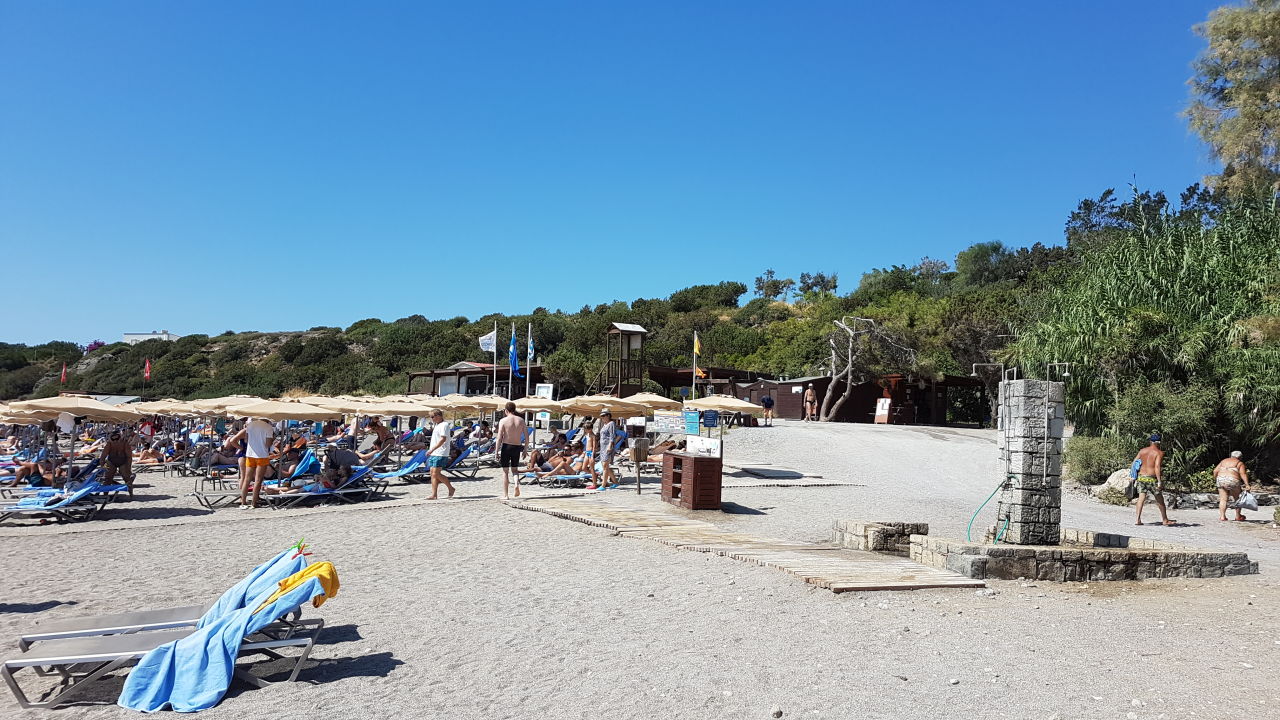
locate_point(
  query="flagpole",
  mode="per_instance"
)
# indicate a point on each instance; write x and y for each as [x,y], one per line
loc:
[528,360]
[511,371]
[495,357]
[693,381]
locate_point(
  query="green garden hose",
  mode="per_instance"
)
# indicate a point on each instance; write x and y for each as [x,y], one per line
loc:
[968,533]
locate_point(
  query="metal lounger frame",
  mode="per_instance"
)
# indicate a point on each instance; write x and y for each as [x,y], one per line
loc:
[105,654]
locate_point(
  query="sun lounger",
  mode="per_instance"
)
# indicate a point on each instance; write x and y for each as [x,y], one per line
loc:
[101,655]
[360,486]
[560,481]
[81,505]
[262,577]
[464,465]
[414,467]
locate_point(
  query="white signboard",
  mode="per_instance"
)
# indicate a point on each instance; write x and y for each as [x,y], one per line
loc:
[544,390]
[668,421]
[882,410]
[698,445]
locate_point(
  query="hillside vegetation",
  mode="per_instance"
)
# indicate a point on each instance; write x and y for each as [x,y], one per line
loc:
[1168,312]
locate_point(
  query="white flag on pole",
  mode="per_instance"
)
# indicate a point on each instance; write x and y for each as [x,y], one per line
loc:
[489,342]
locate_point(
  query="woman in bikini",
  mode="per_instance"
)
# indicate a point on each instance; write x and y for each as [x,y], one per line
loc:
[1232,478]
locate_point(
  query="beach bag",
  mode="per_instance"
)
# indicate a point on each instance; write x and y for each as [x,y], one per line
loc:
[1134,468]
[1246,501]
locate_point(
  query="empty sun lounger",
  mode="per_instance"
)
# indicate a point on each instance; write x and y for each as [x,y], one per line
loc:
[415,466]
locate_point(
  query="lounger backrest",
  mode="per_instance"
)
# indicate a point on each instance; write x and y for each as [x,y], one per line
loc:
[462,455]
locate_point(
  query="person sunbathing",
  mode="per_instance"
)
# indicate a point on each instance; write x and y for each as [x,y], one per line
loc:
[150,455]
[657,451]
[34,473]
[567,462]
[326,480]
[93,448]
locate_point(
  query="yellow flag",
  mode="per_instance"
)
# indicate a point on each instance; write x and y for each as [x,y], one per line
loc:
[697,344]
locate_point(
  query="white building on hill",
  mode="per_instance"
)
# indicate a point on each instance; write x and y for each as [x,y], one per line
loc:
[135,338]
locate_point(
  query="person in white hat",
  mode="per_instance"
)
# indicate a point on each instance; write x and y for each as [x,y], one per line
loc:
[1232,479]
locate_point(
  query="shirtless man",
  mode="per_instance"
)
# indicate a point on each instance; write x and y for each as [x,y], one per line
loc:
[1232,478]
[1151,478]
[810,403]
[118,458]
[510,444]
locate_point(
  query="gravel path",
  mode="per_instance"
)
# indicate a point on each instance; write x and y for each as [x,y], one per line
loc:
[478,610]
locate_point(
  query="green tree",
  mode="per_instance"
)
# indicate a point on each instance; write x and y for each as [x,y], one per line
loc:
[1234,88]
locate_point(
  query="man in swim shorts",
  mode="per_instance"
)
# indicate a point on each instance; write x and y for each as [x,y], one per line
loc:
[1151,479]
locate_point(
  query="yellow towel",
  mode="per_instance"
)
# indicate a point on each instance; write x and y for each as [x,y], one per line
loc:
[322,571]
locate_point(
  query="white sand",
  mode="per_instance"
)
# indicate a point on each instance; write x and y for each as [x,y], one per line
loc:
[477,610]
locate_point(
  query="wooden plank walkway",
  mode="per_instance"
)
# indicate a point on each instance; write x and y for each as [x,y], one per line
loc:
[826,566]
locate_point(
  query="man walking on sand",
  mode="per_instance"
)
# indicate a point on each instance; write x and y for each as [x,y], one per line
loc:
[1151,478]
[510,444]
[810,403]
[438,452]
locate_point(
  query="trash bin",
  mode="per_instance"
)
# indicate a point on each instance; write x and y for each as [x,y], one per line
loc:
[691,481]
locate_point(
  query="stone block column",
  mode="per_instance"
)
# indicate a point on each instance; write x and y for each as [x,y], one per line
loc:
[1030,440]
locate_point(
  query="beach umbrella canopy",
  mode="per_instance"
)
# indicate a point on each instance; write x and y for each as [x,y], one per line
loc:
[275,410]
[168,406]
[594,404]
[213,405]
[342,405]
[15,417]
[722,403]
[396,408]
[456,401]
[653,401]
[78,406]
[538,404]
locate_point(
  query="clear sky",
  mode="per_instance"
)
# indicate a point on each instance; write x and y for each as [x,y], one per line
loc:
[225,165]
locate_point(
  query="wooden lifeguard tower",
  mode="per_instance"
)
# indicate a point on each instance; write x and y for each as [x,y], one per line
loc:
[624,359]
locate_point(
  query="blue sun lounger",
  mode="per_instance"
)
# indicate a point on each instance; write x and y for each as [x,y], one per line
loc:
[410,469]
[80,505]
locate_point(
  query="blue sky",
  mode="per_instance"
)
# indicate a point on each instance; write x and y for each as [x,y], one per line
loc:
[221,165]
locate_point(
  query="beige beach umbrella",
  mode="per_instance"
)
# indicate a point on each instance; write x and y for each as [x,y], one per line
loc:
[79,406]
[722,403]
[15,417]
[594,404]
[212,406]
[389,408]
[276,410]
[653,401]
[538,404]
[168,406]
[343,405]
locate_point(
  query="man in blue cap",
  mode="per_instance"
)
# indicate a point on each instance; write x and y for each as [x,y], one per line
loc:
[1151,477]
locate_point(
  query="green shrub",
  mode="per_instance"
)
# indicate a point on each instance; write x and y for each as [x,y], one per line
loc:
[1112,496]
[1090,460]
[1200,482]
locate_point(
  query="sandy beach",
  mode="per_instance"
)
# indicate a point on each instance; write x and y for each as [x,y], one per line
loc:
[474,609]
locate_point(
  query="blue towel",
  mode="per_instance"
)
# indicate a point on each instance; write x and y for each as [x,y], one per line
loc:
[193,673]
[266,576]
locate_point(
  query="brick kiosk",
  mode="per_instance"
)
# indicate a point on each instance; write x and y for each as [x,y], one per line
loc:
[691,481]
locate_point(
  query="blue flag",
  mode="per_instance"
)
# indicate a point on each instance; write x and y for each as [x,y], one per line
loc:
[512,356]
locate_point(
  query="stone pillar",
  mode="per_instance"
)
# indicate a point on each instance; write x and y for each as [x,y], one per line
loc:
[1030,442]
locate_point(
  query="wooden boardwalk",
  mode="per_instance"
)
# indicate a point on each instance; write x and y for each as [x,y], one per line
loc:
[835,569]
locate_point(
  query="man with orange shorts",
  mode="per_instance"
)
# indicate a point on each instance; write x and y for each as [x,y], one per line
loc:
[258,434]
